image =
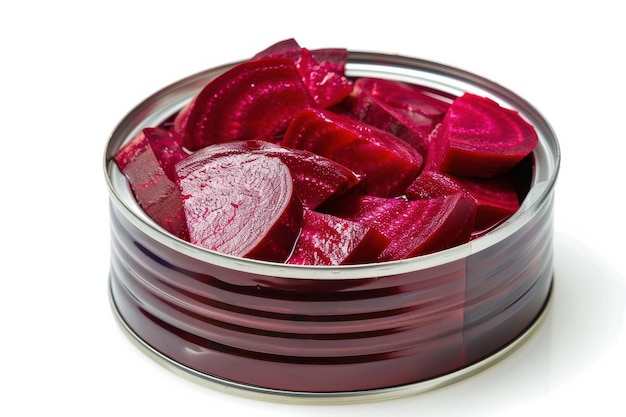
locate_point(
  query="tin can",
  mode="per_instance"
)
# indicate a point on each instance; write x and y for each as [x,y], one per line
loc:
[333,334]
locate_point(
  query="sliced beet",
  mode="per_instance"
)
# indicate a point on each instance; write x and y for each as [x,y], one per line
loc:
[496,198]
[431,184]
[414,227]
[385,163]
[154,191]
[326,85]
[479,138]
[414,99]
[254,99]
[315,178]
[167,147]
[182,117]
[287,48]
[335,59]
[401,109]
[329,240]
[240,204]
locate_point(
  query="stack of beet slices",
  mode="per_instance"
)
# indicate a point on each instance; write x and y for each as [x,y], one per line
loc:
[284,158]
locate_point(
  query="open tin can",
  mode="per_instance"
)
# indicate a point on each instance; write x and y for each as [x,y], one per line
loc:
[333,334]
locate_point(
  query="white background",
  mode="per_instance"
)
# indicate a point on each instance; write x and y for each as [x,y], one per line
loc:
[71,70]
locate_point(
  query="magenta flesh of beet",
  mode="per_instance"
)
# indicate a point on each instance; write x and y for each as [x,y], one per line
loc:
[415,100]
[478,138]
[398,108]
[154,191]
[329,240]
[385,163]
[325,84]
[181,118]
[287,132]
[496,198]
[254,99]
[335,59]
[240,204]
[431,184]
[166,145]
[413,227]
[315,178]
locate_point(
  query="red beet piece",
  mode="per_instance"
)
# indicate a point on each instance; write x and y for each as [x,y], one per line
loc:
[254,99]
[287,48]
[334,58]
[479,138]
[432,185]
[167,147]
[401,109]
[240,204]
[415,100]
[325,84]
[414,227]
[496,198]
[386,164]
[182,117]
[154,191]
[329,240]
[315,178]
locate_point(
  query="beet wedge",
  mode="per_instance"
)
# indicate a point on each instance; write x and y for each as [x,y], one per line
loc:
[315,178]
[239,204]
[167,147]
[413,227]
[157,194]
[401,109]
[323,77]
[328,240]
[254,99]
[496,198]
[386,164]
[479,138]
[413,99]
[334,59]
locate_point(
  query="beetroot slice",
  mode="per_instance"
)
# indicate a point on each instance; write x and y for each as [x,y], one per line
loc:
[154,191]
[287,48]
[182,117]
[414,99]
[325,84]
[414,227]
[254,99]
[401,109]
[334,59]
[432,185]
[478,138]
[496,198]
[166,145]
[329,240]
[385,163]
[315,178]
[240,204]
